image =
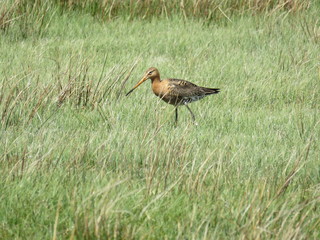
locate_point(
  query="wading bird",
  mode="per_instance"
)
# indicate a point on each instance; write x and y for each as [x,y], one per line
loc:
[175,91]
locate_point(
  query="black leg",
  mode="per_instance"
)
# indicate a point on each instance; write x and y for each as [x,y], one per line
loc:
[193,117]
[176,116]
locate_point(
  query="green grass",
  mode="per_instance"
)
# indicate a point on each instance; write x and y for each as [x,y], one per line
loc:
[79,160]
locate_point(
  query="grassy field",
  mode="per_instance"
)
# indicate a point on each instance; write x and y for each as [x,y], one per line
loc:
[80,160]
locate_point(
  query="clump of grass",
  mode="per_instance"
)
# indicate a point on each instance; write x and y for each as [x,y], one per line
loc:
[34,17]
[29,18]
[78,88]
[207,9]
[71,85]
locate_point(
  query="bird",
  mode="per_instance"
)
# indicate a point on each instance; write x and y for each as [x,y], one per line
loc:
[176,92]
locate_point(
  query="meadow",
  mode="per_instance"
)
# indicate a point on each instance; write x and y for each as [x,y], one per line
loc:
[80,160]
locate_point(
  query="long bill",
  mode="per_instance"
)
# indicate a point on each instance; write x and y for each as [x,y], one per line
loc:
[137,85]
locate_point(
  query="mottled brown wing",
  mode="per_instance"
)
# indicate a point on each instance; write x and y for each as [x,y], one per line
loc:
[185,92]
[183,88]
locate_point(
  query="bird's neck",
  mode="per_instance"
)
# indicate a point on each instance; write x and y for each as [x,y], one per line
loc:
[155,80]
[156,85]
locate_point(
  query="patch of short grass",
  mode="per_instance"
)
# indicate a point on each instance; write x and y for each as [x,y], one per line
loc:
[81,160]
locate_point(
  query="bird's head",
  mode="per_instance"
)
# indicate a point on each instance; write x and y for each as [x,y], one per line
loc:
[151,73]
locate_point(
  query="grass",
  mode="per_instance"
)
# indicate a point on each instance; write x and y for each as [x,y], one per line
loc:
[79,160]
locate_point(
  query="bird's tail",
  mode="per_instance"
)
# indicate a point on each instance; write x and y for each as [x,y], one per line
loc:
[209,91]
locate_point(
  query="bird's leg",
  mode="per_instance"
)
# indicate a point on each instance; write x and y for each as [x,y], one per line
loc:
[176,122]
[193,117]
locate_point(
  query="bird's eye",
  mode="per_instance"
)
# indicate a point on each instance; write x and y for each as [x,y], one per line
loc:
[149,73]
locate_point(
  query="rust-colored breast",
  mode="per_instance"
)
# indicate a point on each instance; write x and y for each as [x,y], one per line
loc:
[159,87]
[164,91]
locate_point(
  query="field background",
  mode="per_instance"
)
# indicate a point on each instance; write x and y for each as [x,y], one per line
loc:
[79,160]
